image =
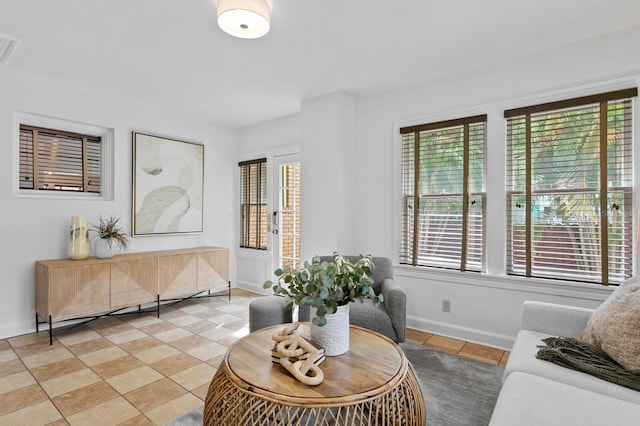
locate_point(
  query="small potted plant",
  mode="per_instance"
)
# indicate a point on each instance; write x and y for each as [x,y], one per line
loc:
[110,237]
[328,287]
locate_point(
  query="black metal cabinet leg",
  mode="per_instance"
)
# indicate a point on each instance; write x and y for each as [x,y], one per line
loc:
[50,332]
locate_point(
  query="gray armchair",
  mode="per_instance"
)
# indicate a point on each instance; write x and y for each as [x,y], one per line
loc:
[390,317]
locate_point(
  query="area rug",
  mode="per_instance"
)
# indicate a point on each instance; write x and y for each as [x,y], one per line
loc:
[457,391]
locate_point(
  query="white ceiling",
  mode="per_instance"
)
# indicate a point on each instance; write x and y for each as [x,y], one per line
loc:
[171,52]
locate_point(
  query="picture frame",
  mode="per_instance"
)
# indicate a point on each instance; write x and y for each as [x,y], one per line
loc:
[167,186]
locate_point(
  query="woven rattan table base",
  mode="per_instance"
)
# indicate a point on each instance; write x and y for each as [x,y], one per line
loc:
[234,401]
[229,405]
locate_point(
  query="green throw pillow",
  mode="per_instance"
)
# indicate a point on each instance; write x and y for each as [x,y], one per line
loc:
[614,327]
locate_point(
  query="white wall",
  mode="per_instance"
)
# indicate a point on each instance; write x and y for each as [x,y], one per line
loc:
[484,307]
[327,152]
[266,140]
[33,229]
[323,135]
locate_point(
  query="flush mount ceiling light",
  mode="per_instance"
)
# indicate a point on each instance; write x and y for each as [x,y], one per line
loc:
[244,18]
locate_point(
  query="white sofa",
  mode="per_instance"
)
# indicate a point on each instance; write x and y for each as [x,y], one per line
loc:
[537,392]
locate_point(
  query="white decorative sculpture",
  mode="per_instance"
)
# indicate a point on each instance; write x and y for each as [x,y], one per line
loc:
[297,355]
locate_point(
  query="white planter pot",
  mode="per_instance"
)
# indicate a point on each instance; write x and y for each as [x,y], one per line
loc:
[334,335]
[102,250]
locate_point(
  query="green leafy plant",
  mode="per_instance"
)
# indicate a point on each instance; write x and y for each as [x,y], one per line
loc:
[326,285]
[108,229]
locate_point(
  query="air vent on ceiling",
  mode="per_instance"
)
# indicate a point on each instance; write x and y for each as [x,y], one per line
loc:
[7,47]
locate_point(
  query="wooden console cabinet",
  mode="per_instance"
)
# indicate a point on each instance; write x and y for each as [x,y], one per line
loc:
[71,289]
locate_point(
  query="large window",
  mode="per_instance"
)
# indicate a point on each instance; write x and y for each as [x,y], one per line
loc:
[443,194]
[253,204]
[569,189]
[55,160]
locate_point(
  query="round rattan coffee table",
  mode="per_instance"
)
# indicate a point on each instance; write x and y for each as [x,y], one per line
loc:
[372,384]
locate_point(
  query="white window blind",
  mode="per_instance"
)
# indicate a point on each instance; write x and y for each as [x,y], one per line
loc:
[54,160]
[570,189]
[443,194]
[253,204]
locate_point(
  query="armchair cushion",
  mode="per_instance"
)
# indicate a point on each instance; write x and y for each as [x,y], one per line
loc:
[395,301]
[374,318]
[271,310]
[390,318]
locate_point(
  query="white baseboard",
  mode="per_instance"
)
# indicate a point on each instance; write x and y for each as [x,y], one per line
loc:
[472,335]
[14,330]
[255,288]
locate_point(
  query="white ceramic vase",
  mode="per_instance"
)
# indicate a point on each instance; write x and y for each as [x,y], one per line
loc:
[102,249]
[334,335]
[79,247]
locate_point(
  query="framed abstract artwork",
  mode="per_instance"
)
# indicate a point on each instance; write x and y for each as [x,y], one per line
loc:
[168,180]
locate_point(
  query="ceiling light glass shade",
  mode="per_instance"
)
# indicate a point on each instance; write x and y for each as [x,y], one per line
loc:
[244,18]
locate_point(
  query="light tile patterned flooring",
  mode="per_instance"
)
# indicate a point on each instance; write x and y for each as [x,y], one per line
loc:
[470,350]
[138,369]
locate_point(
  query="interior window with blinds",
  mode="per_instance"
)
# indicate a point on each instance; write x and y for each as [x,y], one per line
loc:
[570,189]
[253,204]
[443,194]
[53,160]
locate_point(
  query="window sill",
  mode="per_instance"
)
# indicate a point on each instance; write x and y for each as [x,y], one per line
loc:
[572,289]
[59,195]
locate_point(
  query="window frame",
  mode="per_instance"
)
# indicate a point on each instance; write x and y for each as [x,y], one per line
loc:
[66,126]
[261,189]
[404,234]
[582,103]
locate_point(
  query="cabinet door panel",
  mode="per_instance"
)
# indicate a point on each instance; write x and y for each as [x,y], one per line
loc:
[213,269]
[134,281]
[78,290]
[178,275]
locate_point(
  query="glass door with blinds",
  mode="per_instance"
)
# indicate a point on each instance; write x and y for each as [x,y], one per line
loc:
[286,216]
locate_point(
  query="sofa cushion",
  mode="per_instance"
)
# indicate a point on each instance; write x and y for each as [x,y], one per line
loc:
[614,327]
[526,399]
[523,358]
[580,356]
[551,318]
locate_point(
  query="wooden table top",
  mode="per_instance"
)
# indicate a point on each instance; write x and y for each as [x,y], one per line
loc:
[373,365]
